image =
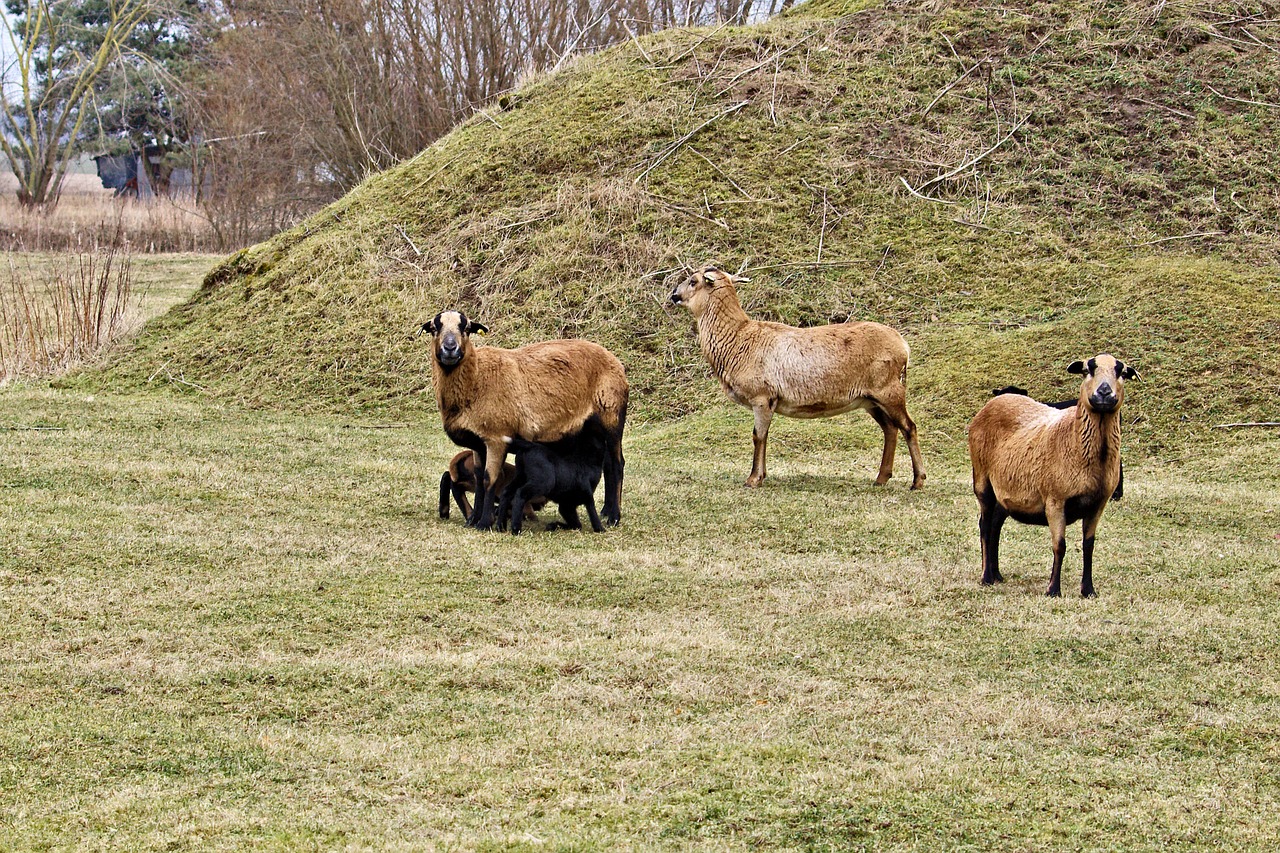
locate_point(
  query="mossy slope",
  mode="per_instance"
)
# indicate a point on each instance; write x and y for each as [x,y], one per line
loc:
[787,147]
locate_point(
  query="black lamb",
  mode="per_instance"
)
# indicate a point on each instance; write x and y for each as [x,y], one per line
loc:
[566,471]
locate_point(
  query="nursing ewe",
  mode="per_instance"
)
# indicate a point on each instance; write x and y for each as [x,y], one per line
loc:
[814,372]
[1048,466]
[540,392]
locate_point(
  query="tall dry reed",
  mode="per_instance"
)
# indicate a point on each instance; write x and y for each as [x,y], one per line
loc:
[54,316]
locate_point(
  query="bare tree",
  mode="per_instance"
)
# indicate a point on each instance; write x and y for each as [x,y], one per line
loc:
[46,87]
[354,86]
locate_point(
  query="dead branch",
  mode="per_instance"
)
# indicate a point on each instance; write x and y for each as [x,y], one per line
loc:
[674,147]
[951,86]
[776,56]
[1179,237]
[1242,100]
[1173,110]
[416,250]
[973,161]
[723,174]
[678,209]
[921,195]
[1244,424]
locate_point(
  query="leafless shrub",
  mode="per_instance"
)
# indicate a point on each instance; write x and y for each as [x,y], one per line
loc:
[53,318]
[307,97]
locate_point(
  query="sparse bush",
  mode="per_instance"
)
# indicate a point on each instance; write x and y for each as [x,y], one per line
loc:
[54,318]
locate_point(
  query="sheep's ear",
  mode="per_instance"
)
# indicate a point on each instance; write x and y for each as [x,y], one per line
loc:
[476,328]
[1076,367]
[1128,373]
[428,328]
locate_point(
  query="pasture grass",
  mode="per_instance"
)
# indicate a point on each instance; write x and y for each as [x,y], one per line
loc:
[231,629]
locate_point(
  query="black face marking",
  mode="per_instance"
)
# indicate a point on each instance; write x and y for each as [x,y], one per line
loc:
[1092,365]
[1119,368]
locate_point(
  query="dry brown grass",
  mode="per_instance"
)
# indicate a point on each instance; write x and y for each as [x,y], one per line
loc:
[88,215]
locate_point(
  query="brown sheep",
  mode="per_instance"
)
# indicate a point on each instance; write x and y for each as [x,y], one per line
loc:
[815,372]
[460,478]
[1042,465]
[537,392]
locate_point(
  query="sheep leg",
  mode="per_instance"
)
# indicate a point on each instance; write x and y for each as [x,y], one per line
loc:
[614,464]
[592,514]
[894,407]
[890,445]
[516,509]
[494,457]
[760,440]
[1054,513]
[460,496]
[1086,574]
[991,517]
[569,512]
[445,483]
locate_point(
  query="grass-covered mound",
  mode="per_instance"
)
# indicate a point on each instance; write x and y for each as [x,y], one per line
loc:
[1012,188]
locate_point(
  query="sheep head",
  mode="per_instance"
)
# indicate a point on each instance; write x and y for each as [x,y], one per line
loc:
[451,336]
[1104,378]
[692,293]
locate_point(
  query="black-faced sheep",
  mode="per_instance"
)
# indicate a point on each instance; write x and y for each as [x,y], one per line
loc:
[565,471]
[460,478]
[1061,404]
[537,392]
[1041,465]
[815,372]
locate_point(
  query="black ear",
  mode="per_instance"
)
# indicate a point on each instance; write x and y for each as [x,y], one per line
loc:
[1127,372]
[429,327]
[1076,367]
[473,327]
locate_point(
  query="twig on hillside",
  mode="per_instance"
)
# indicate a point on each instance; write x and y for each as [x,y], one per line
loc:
[636,41]
[803,264]
[1213,31]
[777,55]
[403,234]
[1242,100]
[484,114]
[723,174]
[32,429]
[917,194]
[951,86]
[973,161]
[880,266]
[698,44]
[677,208]
[164,368]
[376,426]
[512,225]
[679,143]
[1267,45]
[1179,237]
[1247,424]
[961,221]
[1173,110]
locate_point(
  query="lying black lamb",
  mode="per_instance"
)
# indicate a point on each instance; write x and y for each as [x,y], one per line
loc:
[565,471]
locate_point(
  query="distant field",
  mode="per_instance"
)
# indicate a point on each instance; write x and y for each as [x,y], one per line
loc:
[87,214]
[227,629]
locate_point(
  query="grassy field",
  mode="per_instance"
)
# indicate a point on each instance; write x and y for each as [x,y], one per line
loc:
[229,629]
[232,619]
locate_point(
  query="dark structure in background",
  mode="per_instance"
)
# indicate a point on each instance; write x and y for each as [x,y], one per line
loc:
[125,174]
